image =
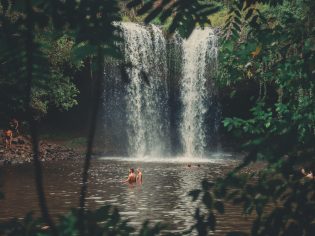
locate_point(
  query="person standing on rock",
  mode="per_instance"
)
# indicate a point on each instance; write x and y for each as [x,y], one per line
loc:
[7,135]
[14,124]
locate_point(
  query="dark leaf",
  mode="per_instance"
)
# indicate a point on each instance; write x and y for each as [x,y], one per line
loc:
[194,194]
[134,3]
[211,11]
[249,13]
[207,199]
[206,185]
[238,14]
[219,206]
[146,7]
[211,221]
[165,14]
[153,15]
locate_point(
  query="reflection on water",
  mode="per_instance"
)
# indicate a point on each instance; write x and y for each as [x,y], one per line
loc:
[161,197]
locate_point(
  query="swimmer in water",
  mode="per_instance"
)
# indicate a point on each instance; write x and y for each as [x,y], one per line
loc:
[131,177]
[139,176]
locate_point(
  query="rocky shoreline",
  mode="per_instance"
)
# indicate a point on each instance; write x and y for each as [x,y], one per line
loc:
[21,152]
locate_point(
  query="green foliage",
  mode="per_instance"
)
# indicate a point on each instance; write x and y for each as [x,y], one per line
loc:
[272,49]
[185,15]
[274,55]
[63,34]
[27,226]
[219,18]
[52,85]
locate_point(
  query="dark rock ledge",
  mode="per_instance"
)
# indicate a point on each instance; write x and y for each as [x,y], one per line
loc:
[21,152]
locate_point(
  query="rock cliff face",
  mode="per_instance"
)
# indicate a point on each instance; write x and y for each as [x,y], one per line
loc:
[21,152]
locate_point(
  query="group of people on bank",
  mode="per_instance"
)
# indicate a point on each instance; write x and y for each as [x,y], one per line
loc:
[133,177]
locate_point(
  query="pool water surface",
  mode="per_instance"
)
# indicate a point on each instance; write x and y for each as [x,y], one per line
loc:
[162,197]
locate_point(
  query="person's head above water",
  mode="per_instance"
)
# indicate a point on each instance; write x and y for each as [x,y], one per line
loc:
[138,169]
[132,170]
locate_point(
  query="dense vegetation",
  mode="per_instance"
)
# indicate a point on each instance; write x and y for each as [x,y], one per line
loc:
[54,86]
[267,45]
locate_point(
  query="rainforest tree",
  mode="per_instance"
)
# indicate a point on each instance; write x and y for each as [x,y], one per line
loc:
[54,86]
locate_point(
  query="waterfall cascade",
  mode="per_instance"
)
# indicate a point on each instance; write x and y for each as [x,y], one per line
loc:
[146,109]
[140,111]
[199,62]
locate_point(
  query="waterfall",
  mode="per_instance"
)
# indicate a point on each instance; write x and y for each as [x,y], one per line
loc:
[160,99]
[199,63]
[146,96]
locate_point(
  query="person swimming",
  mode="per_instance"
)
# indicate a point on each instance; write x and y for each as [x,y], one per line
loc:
[131,177]
[139,176]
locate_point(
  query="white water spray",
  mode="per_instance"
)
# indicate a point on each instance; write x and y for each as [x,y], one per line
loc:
[146,98]
[169,106]
[199,63]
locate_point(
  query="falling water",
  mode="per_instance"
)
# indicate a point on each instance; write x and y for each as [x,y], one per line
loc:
[167,105]
[197,88]
[146,95]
